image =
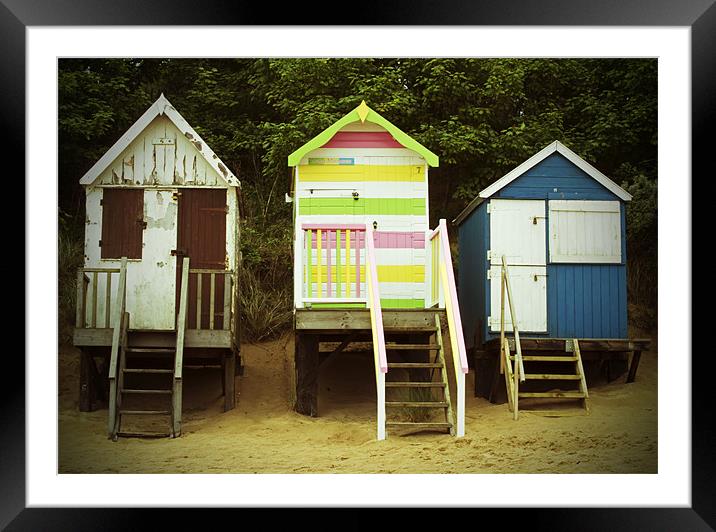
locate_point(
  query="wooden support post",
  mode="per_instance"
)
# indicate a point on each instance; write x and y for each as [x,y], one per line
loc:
[307,375]
[87,381]
[229,367]
[635,357]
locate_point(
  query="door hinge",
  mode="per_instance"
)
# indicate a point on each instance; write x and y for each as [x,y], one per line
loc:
[101,202]
[489,207]
[489,254]
[100,243]
[176,195]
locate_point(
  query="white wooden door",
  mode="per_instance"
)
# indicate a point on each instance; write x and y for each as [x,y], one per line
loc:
[151,282]
[517,231]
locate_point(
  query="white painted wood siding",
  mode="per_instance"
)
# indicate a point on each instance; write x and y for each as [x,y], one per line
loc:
[585,231]
[161,155]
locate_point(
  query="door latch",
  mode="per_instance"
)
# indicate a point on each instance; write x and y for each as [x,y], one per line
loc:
[178,253]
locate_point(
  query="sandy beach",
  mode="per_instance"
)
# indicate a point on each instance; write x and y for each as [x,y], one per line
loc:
[263,434]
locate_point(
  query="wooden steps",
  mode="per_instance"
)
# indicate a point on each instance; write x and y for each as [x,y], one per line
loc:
[421,399]
[547,362]
[146,389]
[414,384]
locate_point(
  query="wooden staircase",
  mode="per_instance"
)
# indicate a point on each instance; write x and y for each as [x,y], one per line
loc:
[547,377]
[145,376]
[418,394]
[147,388]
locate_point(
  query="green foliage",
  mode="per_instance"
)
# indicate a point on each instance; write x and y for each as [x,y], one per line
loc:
[70,254]
[482,117]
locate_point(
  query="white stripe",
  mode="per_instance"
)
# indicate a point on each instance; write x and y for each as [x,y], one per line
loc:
[384,156]
[386,222]
[365,189]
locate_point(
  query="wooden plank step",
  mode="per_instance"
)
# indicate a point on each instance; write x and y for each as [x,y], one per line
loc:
[414,365]
[428,347]
[149,350]
[416,425]
[145,412]
[551,376]
[417,404]
[558,395]
[144,434]
[147,370]
[413,384]
[162,392]
[404,330]
[534,358]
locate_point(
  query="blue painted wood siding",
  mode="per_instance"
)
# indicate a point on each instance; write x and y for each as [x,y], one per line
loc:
[583,300]
[586,301]
[555,178]
[473,286]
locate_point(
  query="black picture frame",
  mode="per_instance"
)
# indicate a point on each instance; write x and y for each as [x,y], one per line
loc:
[699,15]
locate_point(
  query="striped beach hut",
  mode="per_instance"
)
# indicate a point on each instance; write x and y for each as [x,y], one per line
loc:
[366,264]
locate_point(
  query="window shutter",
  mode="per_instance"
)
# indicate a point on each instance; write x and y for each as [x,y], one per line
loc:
[122,223]
[585,231]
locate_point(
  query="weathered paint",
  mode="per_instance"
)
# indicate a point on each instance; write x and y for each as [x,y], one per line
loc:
[146,161]
[163,158]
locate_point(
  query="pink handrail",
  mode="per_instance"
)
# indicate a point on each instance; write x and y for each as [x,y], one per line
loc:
[451,292]
[375,310]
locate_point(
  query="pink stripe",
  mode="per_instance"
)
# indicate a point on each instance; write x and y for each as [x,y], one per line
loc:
[362,139]
[381,239]
[399,240]
[357,227]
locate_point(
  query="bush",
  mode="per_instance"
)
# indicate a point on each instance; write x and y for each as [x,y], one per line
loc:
[70,256]
[266,289]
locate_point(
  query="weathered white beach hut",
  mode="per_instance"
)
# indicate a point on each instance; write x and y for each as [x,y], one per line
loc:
[160,267]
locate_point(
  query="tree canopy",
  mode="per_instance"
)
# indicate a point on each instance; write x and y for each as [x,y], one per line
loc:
[482,117]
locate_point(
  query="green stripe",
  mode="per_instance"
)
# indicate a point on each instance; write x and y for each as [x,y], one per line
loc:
[337,305]
[402,303]
[342,206]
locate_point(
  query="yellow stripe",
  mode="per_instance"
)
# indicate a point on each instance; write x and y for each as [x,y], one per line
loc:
[386,274]
[361,173]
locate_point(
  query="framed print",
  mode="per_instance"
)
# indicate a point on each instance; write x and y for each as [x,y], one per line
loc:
[327,265]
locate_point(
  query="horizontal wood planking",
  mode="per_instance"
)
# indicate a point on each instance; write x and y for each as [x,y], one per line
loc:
[348,319]
[361,172]
[337,206]
[387,273]
[362,139]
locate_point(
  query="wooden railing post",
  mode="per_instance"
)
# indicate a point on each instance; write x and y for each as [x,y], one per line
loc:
[457,341]
[376,322]
[179,355]
[80,304]
[115,352]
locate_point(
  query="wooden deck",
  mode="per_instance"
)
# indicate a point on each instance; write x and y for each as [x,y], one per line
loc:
[194,338]
[332,321]
[614,354]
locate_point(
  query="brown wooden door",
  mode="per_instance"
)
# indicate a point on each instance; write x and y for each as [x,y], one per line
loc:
[201,236]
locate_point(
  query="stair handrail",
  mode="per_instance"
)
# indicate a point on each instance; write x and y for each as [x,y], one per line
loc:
[506,289]
[376,323]
[182,319]
[119,324]
[452,310]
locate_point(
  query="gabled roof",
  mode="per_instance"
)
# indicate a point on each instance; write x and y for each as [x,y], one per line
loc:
[159,108]
[554,147]
[363,113]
